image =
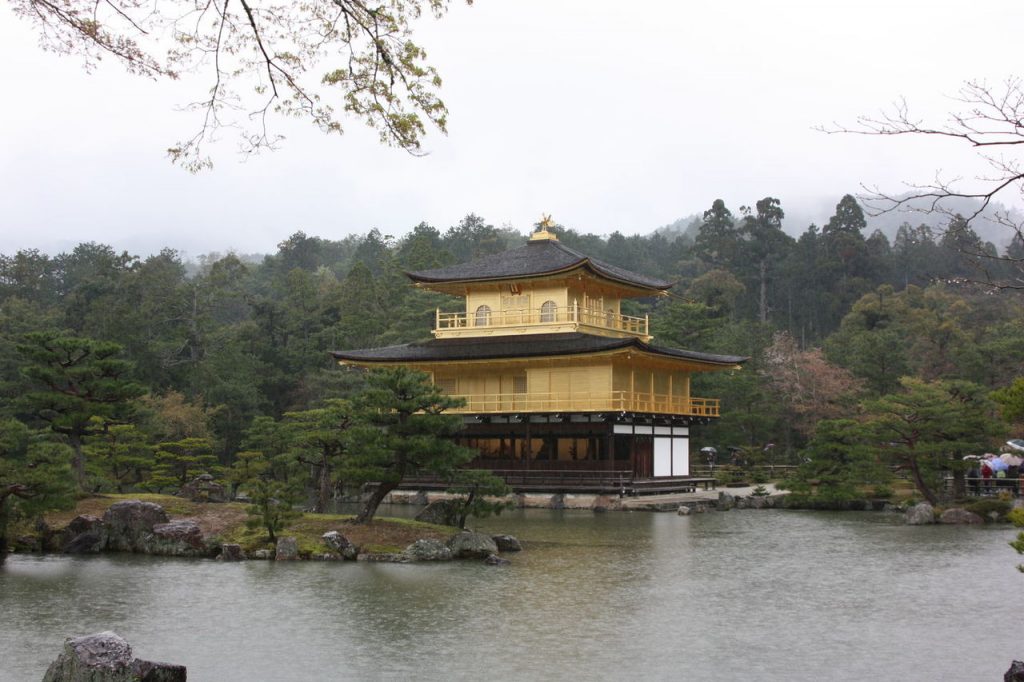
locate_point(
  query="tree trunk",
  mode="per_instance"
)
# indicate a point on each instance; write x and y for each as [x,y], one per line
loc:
[465,508]
[78,461]
[323,496]
[370,508]
[922,487]
[763,298]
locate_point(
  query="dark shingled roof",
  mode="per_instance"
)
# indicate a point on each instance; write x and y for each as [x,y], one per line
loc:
[533,260]
[495,347]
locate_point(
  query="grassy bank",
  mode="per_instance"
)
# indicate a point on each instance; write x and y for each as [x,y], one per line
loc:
[225,522]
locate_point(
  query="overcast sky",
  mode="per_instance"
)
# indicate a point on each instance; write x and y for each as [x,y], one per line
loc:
[608,115]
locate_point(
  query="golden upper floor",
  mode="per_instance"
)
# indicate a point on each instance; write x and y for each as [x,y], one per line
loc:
[543,287]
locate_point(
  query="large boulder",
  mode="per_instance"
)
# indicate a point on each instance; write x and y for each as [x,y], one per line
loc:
[340,544]
[89,542]
[128,525]
[920,514]
[959,516]
[440,512]
[469,545]
[507,543]
[726,501]
[181,537]
[1015,673]
[427,549]
[106,657]
[83,535]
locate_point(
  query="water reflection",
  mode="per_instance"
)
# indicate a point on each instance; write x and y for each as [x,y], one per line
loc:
[792,596]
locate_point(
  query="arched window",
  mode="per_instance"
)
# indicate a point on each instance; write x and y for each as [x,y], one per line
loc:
[547,311]
[483,316]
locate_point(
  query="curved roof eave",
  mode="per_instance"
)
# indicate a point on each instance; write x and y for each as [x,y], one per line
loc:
[535,259]
[512,347]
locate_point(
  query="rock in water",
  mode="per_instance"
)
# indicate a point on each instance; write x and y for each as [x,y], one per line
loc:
[426,549]
[84,543]
[106,657]
[128,524]
[287,549]
[959,516]
[725,502]
[468,545]
[441,512]
[683,510]
[181,537]
[84,534]
[507,543]
[920,514]
[231,552]
[340,544]
[495,560]
[1015,673]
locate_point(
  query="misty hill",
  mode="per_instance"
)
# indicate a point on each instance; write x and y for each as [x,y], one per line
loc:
[800,216]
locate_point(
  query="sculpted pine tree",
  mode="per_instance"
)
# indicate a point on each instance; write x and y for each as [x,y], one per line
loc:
[927,427]
[404,433]
[34,476]
[78,387]
[179,462]
[310,60]
[318,443]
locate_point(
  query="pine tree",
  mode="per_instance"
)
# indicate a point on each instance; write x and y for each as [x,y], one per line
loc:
[34,476]
[404,433]
[79,386]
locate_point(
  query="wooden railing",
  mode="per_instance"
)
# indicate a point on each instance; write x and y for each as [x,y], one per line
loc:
[613,401]
[518,318]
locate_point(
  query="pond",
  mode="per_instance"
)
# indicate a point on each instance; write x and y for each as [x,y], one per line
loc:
[775,595]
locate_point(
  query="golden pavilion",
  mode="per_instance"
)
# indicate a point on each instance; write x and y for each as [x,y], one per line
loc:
[563,392]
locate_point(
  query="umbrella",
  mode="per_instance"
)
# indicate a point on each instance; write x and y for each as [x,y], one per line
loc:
[1016,444]
[1012,460]
[998,464]
[972,457]
[709,450]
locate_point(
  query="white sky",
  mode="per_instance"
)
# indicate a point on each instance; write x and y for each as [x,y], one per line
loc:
[608,115]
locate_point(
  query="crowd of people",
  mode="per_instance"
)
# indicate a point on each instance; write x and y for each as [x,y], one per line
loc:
[990,473]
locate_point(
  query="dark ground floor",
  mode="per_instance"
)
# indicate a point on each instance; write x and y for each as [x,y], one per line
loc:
[593,453]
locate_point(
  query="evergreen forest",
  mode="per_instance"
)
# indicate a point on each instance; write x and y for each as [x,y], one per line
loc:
[222,363]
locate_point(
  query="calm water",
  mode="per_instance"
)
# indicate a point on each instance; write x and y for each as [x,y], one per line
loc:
[744,594]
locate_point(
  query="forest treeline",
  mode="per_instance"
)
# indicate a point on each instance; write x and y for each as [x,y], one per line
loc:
[831,320]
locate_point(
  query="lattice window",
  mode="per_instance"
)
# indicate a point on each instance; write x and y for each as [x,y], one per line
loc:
[548,311]
[448,385]
[483,316]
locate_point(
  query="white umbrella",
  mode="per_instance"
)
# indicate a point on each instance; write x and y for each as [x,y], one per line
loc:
[1012,460]
[1016,444]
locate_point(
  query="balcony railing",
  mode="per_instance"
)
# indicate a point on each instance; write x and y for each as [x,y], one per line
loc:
[574,314]
[614,401]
